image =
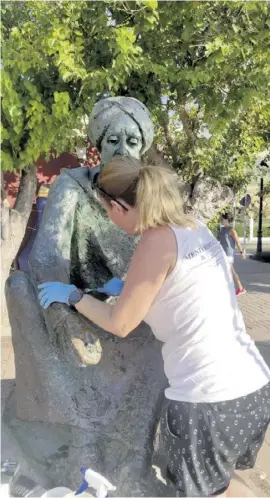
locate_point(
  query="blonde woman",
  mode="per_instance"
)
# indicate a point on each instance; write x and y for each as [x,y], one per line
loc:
[217,404]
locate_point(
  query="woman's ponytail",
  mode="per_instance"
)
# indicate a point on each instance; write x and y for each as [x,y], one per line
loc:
[158,199]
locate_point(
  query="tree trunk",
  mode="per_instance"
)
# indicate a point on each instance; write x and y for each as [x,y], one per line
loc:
[13,226]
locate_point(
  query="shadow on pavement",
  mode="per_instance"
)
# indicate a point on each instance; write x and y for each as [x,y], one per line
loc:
[257,286]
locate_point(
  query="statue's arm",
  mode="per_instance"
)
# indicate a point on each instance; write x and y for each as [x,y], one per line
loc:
[50,260]
[50,256]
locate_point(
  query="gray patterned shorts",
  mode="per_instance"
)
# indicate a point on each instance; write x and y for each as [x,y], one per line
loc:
[206,442]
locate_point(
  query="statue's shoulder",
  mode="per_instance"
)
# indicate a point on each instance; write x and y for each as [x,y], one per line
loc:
[77,174]
[77,178]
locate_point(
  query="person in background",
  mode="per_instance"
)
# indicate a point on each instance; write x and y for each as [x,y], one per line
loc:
[228,238]
[216,408]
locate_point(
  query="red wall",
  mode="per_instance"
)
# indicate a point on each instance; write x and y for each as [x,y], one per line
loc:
[46,172]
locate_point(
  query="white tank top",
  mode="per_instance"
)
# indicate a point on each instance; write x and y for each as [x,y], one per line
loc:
[208,356]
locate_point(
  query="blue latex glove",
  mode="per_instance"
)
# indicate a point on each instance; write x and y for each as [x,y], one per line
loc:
[112,288]
[54,292]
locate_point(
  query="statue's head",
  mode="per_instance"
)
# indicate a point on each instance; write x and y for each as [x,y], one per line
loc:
[120,126]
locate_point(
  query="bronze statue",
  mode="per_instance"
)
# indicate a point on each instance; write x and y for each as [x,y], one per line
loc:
[92,394]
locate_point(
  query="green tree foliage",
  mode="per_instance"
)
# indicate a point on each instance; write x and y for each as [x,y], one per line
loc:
[201,67]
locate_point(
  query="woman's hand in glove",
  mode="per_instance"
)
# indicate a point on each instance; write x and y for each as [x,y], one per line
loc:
[54,292]
[112,288]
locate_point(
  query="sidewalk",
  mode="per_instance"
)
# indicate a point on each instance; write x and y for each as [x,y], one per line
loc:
[255,306]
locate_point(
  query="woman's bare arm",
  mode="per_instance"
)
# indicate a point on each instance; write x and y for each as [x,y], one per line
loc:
[153,259]
[234,235]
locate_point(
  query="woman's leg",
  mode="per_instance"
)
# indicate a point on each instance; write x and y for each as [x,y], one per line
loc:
[237,281]
[238,487]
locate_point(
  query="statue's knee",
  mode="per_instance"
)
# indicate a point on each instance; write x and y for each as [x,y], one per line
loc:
[19,288]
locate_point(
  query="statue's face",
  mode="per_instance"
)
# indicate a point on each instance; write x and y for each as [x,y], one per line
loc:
[123,137]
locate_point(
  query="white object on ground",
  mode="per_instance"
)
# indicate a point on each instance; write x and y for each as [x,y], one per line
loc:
[60,492]
[98,482]
[4,491]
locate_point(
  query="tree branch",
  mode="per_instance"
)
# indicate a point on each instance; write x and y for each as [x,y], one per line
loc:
[187,125]
[171,143]
[27,190]
[4,201]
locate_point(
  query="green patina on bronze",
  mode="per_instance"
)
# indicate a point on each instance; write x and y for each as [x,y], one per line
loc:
[78,386]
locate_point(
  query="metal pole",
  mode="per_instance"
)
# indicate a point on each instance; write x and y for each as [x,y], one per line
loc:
[245,223]
[259,239]
[251,229]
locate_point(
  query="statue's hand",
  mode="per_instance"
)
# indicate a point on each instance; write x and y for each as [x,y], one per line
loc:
[54,292]
[112,288]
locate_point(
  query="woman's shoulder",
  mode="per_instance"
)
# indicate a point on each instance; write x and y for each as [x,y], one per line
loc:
[160,242]
[159,235]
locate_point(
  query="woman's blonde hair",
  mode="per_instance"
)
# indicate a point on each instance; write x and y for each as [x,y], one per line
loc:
[153,190]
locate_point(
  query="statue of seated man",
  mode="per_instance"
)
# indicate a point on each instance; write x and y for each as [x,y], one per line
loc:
[76,242]
[67,371]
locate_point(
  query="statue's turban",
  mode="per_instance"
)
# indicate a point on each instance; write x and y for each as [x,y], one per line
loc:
[107,110]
